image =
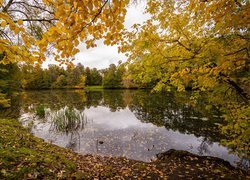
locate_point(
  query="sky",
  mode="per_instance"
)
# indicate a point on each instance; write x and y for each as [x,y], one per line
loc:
[102,56]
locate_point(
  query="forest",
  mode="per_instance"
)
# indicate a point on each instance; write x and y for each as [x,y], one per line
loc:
[27,77]
[194,47]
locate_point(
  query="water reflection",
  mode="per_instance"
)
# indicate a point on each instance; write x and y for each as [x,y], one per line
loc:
[135,124]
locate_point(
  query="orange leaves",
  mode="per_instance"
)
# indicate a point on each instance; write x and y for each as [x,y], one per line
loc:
[75,21]
[3,24]
[90,43]
[90,5]
[17,43]
[20,22]
[82,20]
[75,51]
[75,5]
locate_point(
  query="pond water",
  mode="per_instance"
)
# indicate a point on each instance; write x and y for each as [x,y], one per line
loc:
[132,123]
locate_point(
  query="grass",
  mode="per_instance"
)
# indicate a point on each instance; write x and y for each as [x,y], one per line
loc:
[40,111]
[25,156]
[68,120]
[93,87]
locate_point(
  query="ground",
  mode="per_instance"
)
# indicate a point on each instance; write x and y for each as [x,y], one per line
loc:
[23,156]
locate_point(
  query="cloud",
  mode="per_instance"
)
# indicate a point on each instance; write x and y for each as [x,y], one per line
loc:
[135,14]
[102,56]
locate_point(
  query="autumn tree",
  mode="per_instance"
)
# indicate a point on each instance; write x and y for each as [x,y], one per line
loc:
[74,74]
[30,29]
[10,80]
[202,46]
[113,77]
[60,82]
[88,76]
[95,77]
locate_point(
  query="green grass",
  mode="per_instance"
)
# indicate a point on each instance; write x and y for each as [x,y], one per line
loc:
[93,87]
[24,156]
[40,111]
[68,120]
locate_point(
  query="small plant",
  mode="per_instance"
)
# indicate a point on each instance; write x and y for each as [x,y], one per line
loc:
[30,125]
[68,120]
[40,111]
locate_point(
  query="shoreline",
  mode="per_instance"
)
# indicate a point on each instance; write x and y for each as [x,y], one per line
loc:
[24,156]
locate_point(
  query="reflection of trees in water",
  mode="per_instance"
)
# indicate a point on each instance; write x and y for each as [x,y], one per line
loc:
[113,100]
[159,109]
[14,110]
[93,98]
[165,110]
[54,99]
[170,110]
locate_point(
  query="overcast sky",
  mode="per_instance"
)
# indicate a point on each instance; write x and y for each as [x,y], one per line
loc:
[102,56]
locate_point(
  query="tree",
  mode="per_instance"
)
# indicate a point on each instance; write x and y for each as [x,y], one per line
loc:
[60,82]
[201,46]
[29,29]
[77,73]
[74,75]
[112,77]
[88,76]
[82,81]
[4,103]
[198,45]
[95,77]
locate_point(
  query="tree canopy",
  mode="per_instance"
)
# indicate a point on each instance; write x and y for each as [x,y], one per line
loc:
[31,28]
[197,45]
[201,46]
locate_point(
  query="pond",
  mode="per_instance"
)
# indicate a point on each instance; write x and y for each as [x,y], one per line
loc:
[135,124]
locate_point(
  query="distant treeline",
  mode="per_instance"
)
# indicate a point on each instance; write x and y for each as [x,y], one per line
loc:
[24,76]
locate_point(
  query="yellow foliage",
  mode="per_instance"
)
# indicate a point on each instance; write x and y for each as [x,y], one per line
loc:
[3,23]
[68,22]
[199,46]
[20,22]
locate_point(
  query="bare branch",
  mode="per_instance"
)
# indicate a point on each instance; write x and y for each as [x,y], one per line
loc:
[5,9]
[33,6]
[15,10]
[40,20]
[3,34]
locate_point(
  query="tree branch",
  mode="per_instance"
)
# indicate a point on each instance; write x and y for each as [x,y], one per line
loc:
[232,53]
[40,20]
[93,20]
[33,6]
[5,9]
[183,45]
